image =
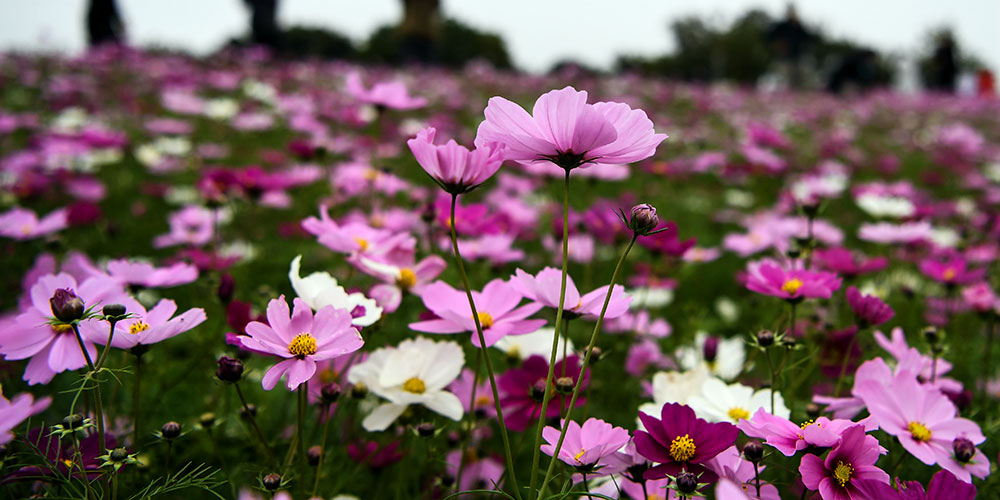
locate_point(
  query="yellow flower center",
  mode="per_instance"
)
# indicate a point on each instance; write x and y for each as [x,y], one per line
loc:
[654,496]
[807,423]
[329,376]
[736,413]
[919,431]
[948,274]
[26,229]
[843,473]
[791,286]
[482,401]
[406,279]
[62,328]
[682,448]
[303,344]
[138,326]
[362,243]
[414,385]
[579,454]
[371,174]
[485,319]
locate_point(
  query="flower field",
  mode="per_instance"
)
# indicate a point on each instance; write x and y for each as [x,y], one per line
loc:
[240,277]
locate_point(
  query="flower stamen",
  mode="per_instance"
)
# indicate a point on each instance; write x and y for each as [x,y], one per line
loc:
[414,385]
[138,326]
[919,431]
[302,345]
[791,286]
[843,473]
[682,448]
[485,319]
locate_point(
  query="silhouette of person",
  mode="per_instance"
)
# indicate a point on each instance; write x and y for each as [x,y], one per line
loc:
[944,67]
[104,23]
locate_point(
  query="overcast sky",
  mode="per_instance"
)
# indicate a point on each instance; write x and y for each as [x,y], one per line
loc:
[538,32]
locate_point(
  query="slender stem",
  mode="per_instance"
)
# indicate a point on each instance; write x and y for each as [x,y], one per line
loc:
[472,418]
[770,368]
[170,445]
[645,494]
[135,401]
[988,361]
[91,375]
[809,249]
[319,465]
[555,341]
[756,477]
[843,364]
[586,363]
[107,347]
[83,347]
[482,345]
[253,420]
[586,487]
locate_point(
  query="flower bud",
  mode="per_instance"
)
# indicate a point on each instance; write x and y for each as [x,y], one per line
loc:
[538,390]
[813,411]
[564,385]
[687,483]
[230,369]
[118,455]
[330,393]
[710,349]
[425,429]
[114,311]
[964,449]
[66,306]
[249,411]
[359,390]
[271,481]
[793,253]
[170,430]
[753,451]
[932,335]
[313,454]
[207,419]
[643,219]
[765,338]
[227,287]
[73,421]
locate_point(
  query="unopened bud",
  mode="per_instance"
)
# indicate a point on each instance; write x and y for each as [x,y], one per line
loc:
[249,411]
[118,455]
[207,419]
[643,219]
[73,422]
[359,390]
[271,481]
[710,349]
[313,454]
[564,385]
[765,338]
[114,311]
[227,287]
[170,430]
[813,411]
[932,335]
[66,306]
[230,369]
[538,390]
[330,393]
[425,429]
[687,483]
[753,451]
[964,449]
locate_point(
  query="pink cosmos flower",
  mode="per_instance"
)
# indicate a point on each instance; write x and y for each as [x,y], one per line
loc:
[138,273]
[392,95]
[23,224]
[545,286]
[887,232]
[924,420]
[478,472]
[849,463]
[952,271]
[191,225]
[356,238]
[301,338]
[146,327]
[53,349]
[462,387]
[496,307]
[981,297]
[17,410]
[770,279]
[869,310]
[566,131]
[400,277]
[456,169]
[789,438]
[588,446]
[911,359]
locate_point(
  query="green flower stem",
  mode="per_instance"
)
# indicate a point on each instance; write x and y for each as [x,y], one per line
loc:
[98,404]
[486,357]
[472,417]
[327,416]
[555,341]
[135,400]
[107,347]
[586,362]
[770,368]
[253,421]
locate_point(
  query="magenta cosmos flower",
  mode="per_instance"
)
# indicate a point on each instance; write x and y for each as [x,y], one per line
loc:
[869,310]
[191,225]
[392,95]
[566,131]
[496,307]
[545,286]
[585,447]
[522,389]
[679,441]
[943,486]
[456,169]
[357,238]
[793,285]
[843,261]
[301,338]
[146,327]
[849,463]
[925,421]
[789,438]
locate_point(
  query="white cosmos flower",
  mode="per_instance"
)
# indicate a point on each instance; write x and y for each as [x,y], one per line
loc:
[320,289]
[417,371]
[674,387]
[728,361]
[886,206]
[526,346]
[718,402]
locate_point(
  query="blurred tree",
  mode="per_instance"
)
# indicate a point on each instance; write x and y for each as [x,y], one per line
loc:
[419,29]
[104,23]
[264,23]
[457,45]
[943,60]
[302,41]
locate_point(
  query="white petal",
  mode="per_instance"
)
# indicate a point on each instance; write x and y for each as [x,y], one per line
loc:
[445,403]
[382,417]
